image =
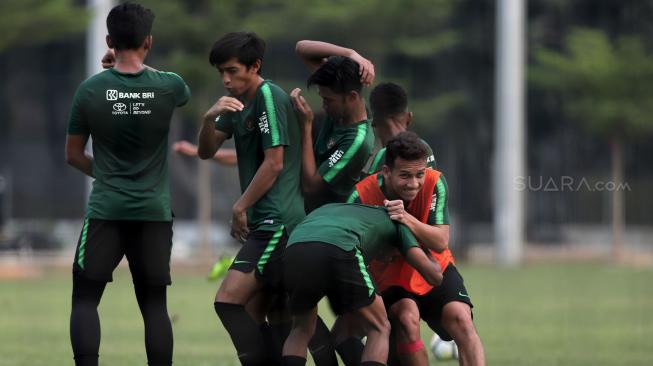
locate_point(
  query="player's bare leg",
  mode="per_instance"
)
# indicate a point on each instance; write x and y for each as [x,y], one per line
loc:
[374,321]
[404,316]
[303,327]
[347,335]
[457,321]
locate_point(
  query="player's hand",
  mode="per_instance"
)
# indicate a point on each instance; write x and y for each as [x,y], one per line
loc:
[366,69]
[239,230]
[396,210]
[302,109]
[185,148]
[109,59]
[223,105]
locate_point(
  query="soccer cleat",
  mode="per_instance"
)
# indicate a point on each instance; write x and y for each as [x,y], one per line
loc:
[220,268]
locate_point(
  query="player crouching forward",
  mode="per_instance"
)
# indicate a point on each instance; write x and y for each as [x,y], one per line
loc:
[326,256]
[417,197]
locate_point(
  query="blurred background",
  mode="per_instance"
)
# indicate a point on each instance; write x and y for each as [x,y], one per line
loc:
[587,133]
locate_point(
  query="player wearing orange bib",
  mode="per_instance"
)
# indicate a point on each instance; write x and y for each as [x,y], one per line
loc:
[417,197]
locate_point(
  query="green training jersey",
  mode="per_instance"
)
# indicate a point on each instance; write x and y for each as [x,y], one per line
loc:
[353,226]
[439,210]
[266,122]
[341,152]
[378,160]
[128,118]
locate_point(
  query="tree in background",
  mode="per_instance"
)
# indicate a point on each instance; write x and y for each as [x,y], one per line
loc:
[606,87]
[31,22]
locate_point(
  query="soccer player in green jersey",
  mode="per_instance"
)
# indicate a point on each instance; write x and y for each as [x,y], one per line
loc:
[331,165]
[327,255]
[389,104]
[260,117]
[126,110]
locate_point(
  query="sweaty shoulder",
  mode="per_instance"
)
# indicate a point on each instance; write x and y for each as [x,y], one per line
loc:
[270,89]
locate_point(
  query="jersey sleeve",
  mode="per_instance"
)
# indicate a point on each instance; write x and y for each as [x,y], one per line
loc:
[224,123]
[77,122]
[430,160]
[181,90]
[405,239]
[272,118]
[439,211]
[354,197]
[376,162]
[348,158]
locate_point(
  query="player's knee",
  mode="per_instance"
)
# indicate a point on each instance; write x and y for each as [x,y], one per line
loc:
[409,323]
[381,326]
[462,323]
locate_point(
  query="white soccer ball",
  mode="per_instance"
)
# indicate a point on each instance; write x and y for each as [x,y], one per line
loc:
[443,350]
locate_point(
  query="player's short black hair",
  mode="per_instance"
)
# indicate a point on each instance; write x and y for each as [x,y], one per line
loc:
[388,99]
[338,73]
[406,145]
[247,47]
[128,25]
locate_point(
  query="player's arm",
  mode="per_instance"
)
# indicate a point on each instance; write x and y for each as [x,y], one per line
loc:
[416,257]
[428,268]
[224,156]
[312,181]
[435,237]
[210,139]
[314,53]
[265,176]
[76,153]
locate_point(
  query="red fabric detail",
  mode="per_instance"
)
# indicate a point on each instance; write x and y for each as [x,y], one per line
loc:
[408,348]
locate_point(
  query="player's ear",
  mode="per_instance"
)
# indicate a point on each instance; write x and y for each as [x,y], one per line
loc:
[352,96]
[409,118]
[147,43]
[109,42]
[256,66]
[386,172]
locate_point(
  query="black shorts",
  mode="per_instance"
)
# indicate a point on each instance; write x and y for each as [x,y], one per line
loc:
[313,270]
[103,243]
[262,253]
[431,304]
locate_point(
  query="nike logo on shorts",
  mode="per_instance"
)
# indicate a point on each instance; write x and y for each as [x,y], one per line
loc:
[460,293]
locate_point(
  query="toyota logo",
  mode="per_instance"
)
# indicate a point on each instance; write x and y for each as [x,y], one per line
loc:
[119,107]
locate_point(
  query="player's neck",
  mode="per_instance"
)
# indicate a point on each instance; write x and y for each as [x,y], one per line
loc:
[129,61]
[394,128]
[250,94]
[358,114]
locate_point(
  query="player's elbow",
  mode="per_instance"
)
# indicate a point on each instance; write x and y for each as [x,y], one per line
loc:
[72,157]
[299,47]
[204,153]
[276,166]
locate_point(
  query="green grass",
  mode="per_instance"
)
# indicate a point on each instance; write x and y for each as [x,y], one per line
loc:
[589,314]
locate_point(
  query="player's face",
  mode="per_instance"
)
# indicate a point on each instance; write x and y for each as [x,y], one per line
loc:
[334,104]
[237,78]
[406,178]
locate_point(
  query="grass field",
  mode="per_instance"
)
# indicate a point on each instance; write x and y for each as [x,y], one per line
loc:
[589,314]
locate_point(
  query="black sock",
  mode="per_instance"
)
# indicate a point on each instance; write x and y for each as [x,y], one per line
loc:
[321,345]
[85,321]
[350,351]
[279,332]
[273,350]
[244,333]
[293,361]
[158,331]
[372,363]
